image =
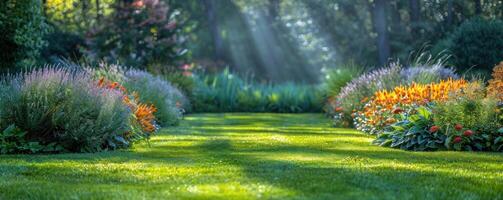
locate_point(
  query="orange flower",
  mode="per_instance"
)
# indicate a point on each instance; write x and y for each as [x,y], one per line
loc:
[495,87]
[392,102]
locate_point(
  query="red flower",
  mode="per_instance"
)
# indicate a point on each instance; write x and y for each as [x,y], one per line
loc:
[457,139]
[397,111]
[468,133]
[434,129]
[339,109]
[458,127]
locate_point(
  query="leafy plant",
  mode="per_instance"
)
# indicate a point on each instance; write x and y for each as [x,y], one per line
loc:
[477,43]
[168,100]
[380,111]
[22,27]
[140,33]
[226,92]
[12,140]
[66,108]
[413,132]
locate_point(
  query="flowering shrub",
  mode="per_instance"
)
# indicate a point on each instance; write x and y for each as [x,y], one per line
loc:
[495,87]
[142,120]
[385,106]
[357,93]
[469,120]
[168,100]
[63,109]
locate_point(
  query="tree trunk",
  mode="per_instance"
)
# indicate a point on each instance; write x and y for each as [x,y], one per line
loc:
[98,11]
[450,12]
[478,7]
[379,20]
[415,16]
[274,9]
[414,11]
[214,29]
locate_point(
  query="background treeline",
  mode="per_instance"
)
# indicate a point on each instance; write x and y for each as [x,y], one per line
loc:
[277,40]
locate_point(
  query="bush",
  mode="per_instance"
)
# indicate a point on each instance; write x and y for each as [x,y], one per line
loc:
[22,29]
[469,111]
[337,78]
[143,34]
[357,93]
[477,42]
[226,92]
[64,109]
[63,45]
[386,106]
[168,100]
[413,131]
[495,87]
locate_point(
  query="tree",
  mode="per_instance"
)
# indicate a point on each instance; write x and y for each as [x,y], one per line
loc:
[379,21]
[212,19]
[22,29]
[140,33]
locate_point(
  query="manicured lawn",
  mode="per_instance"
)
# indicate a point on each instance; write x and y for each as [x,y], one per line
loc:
[254,156]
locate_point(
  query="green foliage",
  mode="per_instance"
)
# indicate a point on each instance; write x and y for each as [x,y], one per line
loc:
[12,140]
[477,43]
[476,113]
[412,132]
[64,108]
[226,92]
[169,101]
[337,78]
[183,82]
[142,35]
[472,112]
[63,45]
[151,89]
[22,29]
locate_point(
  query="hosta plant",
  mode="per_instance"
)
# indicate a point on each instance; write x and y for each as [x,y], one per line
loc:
[413,131]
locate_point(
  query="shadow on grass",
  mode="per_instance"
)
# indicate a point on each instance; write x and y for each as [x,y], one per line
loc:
[372,182]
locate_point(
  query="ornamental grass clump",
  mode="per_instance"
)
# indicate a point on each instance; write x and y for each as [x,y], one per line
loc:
[168,100]
[142,121]
[64,110]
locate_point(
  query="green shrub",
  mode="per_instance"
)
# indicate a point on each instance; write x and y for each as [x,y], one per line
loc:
[476,43]
[357,93]
[12,140]
[146,35]
[413,132]
[65,109]
[226,92]
[473,112]
[337,78]
[22,29]
[168,100]
[63,45]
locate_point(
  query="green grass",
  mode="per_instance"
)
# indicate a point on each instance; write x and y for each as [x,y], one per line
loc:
[254,156]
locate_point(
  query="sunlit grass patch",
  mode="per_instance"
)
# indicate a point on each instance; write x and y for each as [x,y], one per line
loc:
[254,156]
